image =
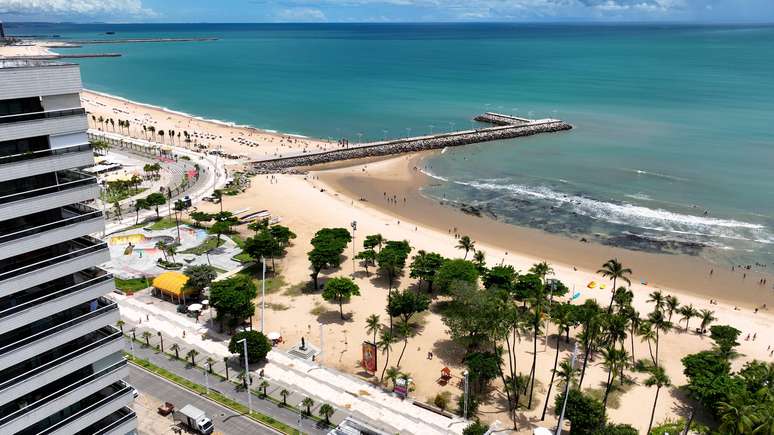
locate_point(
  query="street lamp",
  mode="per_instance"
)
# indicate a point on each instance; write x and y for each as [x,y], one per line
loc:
[566,391]
[247,374]
[465,405]
[263,290]
[162,342]
[354,228]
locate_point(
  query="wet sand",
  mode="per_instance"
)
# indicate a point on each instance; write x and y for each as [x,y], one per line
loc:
[375,180]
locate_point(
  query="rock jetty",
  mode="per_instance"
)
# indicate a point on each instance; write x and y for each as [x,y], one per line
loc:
[517,128]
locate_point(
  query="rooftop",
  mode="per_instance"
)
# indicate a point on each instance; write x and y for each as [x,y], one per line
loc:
[30,63]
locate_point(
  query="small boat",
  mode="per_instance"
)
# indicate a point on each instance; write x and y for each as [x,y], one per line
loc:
[110,33]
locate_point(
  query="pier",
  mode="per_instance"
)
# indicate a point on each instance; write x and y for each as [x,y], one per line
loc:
[506,127]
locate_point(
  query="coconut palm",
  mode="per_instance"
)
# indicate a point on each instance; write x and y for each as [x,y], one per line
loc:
[707,317]
[659,379]
[566,372]
[516,386]
[373,325]
[660,324]
[647,333]
[634,325]
[561,316]
[466,244]
[326,411]
[622,298]
[613,360]
[614,270]
[176,348]
[672,305]
[736,416]
[385,344]
[209,364]
[162,246]
[192,354]
[479,257]
[403,330]
[589,317]
[146,335]
[688,312]
[537,303]
[542,270]
[284,393]
[393,373]
[657,297]
[263,386]
[120,324]
[308,403]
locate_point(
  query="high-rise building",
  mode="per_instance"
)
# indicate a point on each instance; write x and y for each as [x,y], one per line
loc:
[61,366]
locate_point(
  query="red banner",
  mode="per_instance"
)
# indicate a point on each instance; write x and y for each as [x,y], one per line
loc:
[369,356]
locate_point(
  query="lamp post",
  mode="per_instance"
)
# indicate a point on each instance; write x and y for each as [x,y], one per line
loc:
[465,404]
[354,228]
[247,374]
[263,290]
[566,391]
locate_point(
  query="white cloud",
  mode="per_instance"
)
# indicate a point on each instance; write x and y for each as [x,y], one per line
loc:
[75,7]
[301,15]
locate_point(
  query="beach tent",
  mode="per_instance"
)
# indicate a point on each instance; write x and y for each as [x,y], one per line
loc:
[173,284]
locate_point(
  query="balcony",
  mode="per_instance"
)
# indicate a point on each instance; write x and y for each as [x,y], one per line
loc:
[31,305]
[48,160]
[50,122]
[67,187]
[37,267]
[41,230]
[45,368]
[25,342]
[120,422]
[54,397]
[85,413]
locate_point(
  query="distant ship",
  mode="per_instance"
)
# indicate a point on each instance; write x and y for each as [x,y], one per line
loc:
[110,33]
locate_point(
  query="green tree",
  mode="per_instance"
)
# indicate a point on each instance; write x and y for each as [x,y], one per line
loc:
[284,393]
[671,306]
[340,290]
[282,234]
[386,339]
[368,257]
[483,367]
[475,428]
[263,386]
[155,200]
[146,335]
[501,277]
[406,304]
[614,270]
[617,429]
[688,312]
[373,325]
[424,266]
[561,316]
[372,241]
[659,379]
[467,245]
[139,204]
[392,259]
[192,354]
[262,245]
[233,299]
[199,217]
[725,337]
[584,412]
[308,403]
[258,346]
[200,276]
[175,348]
[455,270]
[479,259]
[328,245]
[707,317]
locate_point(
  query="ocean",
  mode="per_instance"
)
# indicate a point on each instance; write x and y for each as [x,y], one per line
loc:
[673,145]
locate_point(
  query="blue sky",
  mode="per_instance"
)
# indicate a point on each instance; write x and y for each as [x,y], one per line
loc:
[386,10]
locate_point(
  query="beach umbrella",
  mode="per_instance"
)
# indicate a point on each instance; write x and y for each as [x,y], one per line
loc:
[195,307]
[273,335]
[206,302]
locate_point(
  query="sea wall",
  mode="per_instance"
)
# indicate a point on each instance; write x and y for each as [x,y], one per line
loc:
[409,145]
[500,119]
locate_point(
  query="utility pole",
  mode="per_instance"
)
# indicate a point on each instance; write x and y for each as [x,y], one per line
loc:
[263,289]
[247,378]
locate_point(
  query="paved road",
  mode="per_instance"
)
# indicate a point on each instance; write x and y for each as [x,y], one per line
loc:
[226,422]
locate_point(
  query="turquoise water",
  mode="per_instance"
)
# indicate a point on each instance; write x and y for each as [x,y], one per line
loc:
[673,148]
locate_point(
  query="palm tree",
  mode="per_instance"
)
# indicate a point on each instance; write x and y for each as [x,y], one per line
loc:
[218,194]
[176,348]
[542,270]
[613,359]
[672,306]
[537,306]
[403,329]
[736,417]
[647,333]
[326,411]
[479,257]
[466,244]
[517,385]
[284,393]
[634,325]
[120,323]
[192,354]
[562,318]
[688,312]
[393,373]
[146,335]
[659,378]
[658,300]
[614,270]
[385,344]
[707,317]
[373,325]
[589,318]
[308,403]
[209,364]
[566,372]
[162,246]
[225,364]
[660,324]
[263,386]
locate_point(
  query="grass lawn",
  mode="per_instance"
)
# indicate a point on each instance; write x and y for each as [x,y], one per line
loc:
[132,285]
[162,224]
[273,282]
[209,244]
[112,196]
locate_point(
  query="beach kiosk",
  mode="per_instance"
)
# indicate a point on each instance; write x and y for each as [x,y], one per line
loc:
[172,284]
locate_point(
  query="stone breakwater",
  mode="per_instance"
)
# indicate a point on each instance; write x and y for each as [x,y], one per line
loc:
[409,145]
[500,119]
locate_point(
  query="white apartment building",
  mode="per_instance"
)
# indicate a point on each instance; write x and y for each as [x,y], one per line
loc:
[61,367]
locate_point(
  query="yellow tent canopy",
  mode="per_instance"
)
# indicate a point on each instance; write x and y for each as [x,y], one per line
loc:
[172,283]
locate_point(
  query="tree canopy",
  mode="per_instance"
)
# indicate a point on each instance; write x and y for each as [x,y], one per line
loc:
[200,276]
[328,245]
[455,270]
[233,299]
[258,345]
[340,290]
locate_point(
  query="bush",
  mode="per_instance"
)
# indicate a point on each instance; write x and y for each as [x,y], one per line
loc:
[677,427]
[473,402]
[585,413]
[617,429]
[258,346]
[442,399]
[475,428]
